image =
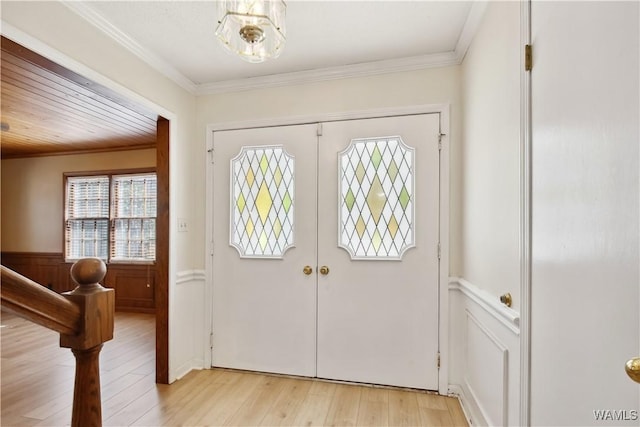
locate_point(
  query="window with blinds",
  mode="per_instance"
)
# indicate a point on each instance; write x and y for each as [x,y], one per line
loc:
[112,217]
[133,235]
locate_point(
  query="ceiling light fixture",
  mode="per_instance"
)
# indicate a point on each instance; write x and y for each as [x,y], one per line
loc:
[253,29]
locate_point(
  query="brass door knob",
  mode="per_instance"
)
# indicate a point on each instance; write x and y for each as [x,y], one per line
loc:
[633,369]
[324,270]
[506,299]
[307,270]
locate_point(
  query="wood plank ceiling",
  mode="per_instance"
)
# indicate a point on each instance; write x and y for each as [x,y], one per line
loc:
[47,109]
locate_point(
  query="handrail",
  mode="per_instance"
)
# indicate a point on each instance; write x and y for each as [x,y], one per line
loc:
[38,304]
[84,317]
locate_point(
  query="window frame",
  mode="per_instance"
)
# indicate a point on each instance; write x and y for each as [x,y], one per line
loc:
[110,174]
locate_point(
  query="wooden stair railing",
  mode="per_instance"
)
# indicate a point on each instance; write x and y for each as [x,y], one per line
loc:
[83,317]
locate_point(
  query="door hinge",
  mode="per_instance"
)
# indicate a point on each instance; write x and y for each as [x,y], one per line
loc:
[528,58]
[440,135]
[211,250]
[211,152]
[319,129]
[211,340]
[438,360]
[439,251]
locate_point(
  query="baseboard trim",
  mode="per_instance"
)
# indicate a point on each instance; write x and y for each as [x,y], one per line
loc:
[473,418]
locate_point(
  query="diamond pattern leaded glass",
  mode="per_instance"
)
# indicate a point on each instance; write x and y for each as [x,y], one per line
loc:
[262,202]
[376,205]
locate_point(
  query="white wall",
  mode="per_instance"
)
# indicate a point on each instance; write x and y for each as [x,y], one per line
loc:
[33,193]
[585,284]
[490,155]
[56,32]
[484,335]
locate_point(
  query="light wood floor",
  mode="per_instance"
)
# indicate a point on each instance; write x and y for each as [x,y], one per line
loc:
[37,389]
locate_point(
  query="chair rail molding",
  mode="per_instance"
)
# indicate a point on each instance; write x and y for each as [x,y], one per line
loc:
[490,303]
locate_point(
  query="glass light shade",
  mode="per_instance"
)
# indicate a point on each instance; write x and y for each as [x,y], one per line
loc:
[253,29]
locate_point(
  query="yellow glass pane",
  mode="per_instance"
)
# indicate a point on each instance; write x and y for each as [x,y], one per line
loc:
[360,227]
[250,177]
[376,199]
[360,172]
[277,176]
[392,226]
[277,228]
[250,228]
[392,170]
[263,202]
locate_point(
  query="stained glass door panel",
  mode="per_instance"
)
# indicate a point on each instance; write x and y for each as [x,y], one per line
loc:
[264,233]
[376,198]
[262,201]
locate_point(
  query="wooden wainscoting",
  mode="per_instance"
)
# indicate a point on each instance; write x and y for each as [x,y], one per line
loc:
[134,283]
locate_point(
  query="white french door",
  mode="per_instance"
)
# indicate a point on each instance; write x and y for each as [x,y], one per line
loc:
[264,308]
[357,197]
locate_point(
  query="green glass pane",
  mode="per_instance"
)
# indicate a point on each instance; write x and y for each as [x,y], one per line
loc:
[350,200]
[264,163]
[286,202]
[241,203]
[376,157]
[404,197]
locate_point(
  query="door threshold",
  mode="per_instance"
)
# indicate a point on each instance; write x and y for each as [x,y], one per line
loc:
[328,380]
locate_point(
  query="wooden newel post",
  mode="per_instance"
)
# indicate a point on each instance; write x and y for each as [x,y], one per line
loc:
[97,305]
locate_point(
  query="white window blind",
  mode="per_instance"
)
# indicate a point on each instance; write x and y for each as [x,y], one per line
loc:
[133,235]
[112,217]
[87,217]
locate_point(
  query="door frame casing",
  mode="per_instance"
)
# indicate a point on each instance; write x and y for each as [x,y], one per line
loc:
[443,274]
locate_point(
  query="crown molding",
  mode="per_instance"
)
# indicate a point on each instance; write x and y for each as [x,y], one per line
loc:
[444,59]
[98,21]
[470,28]
[331,73]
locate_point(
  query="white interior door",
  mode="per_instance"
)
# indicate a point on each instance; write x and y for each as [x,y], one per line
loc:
[373,317]
[264,306]
[378,314]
